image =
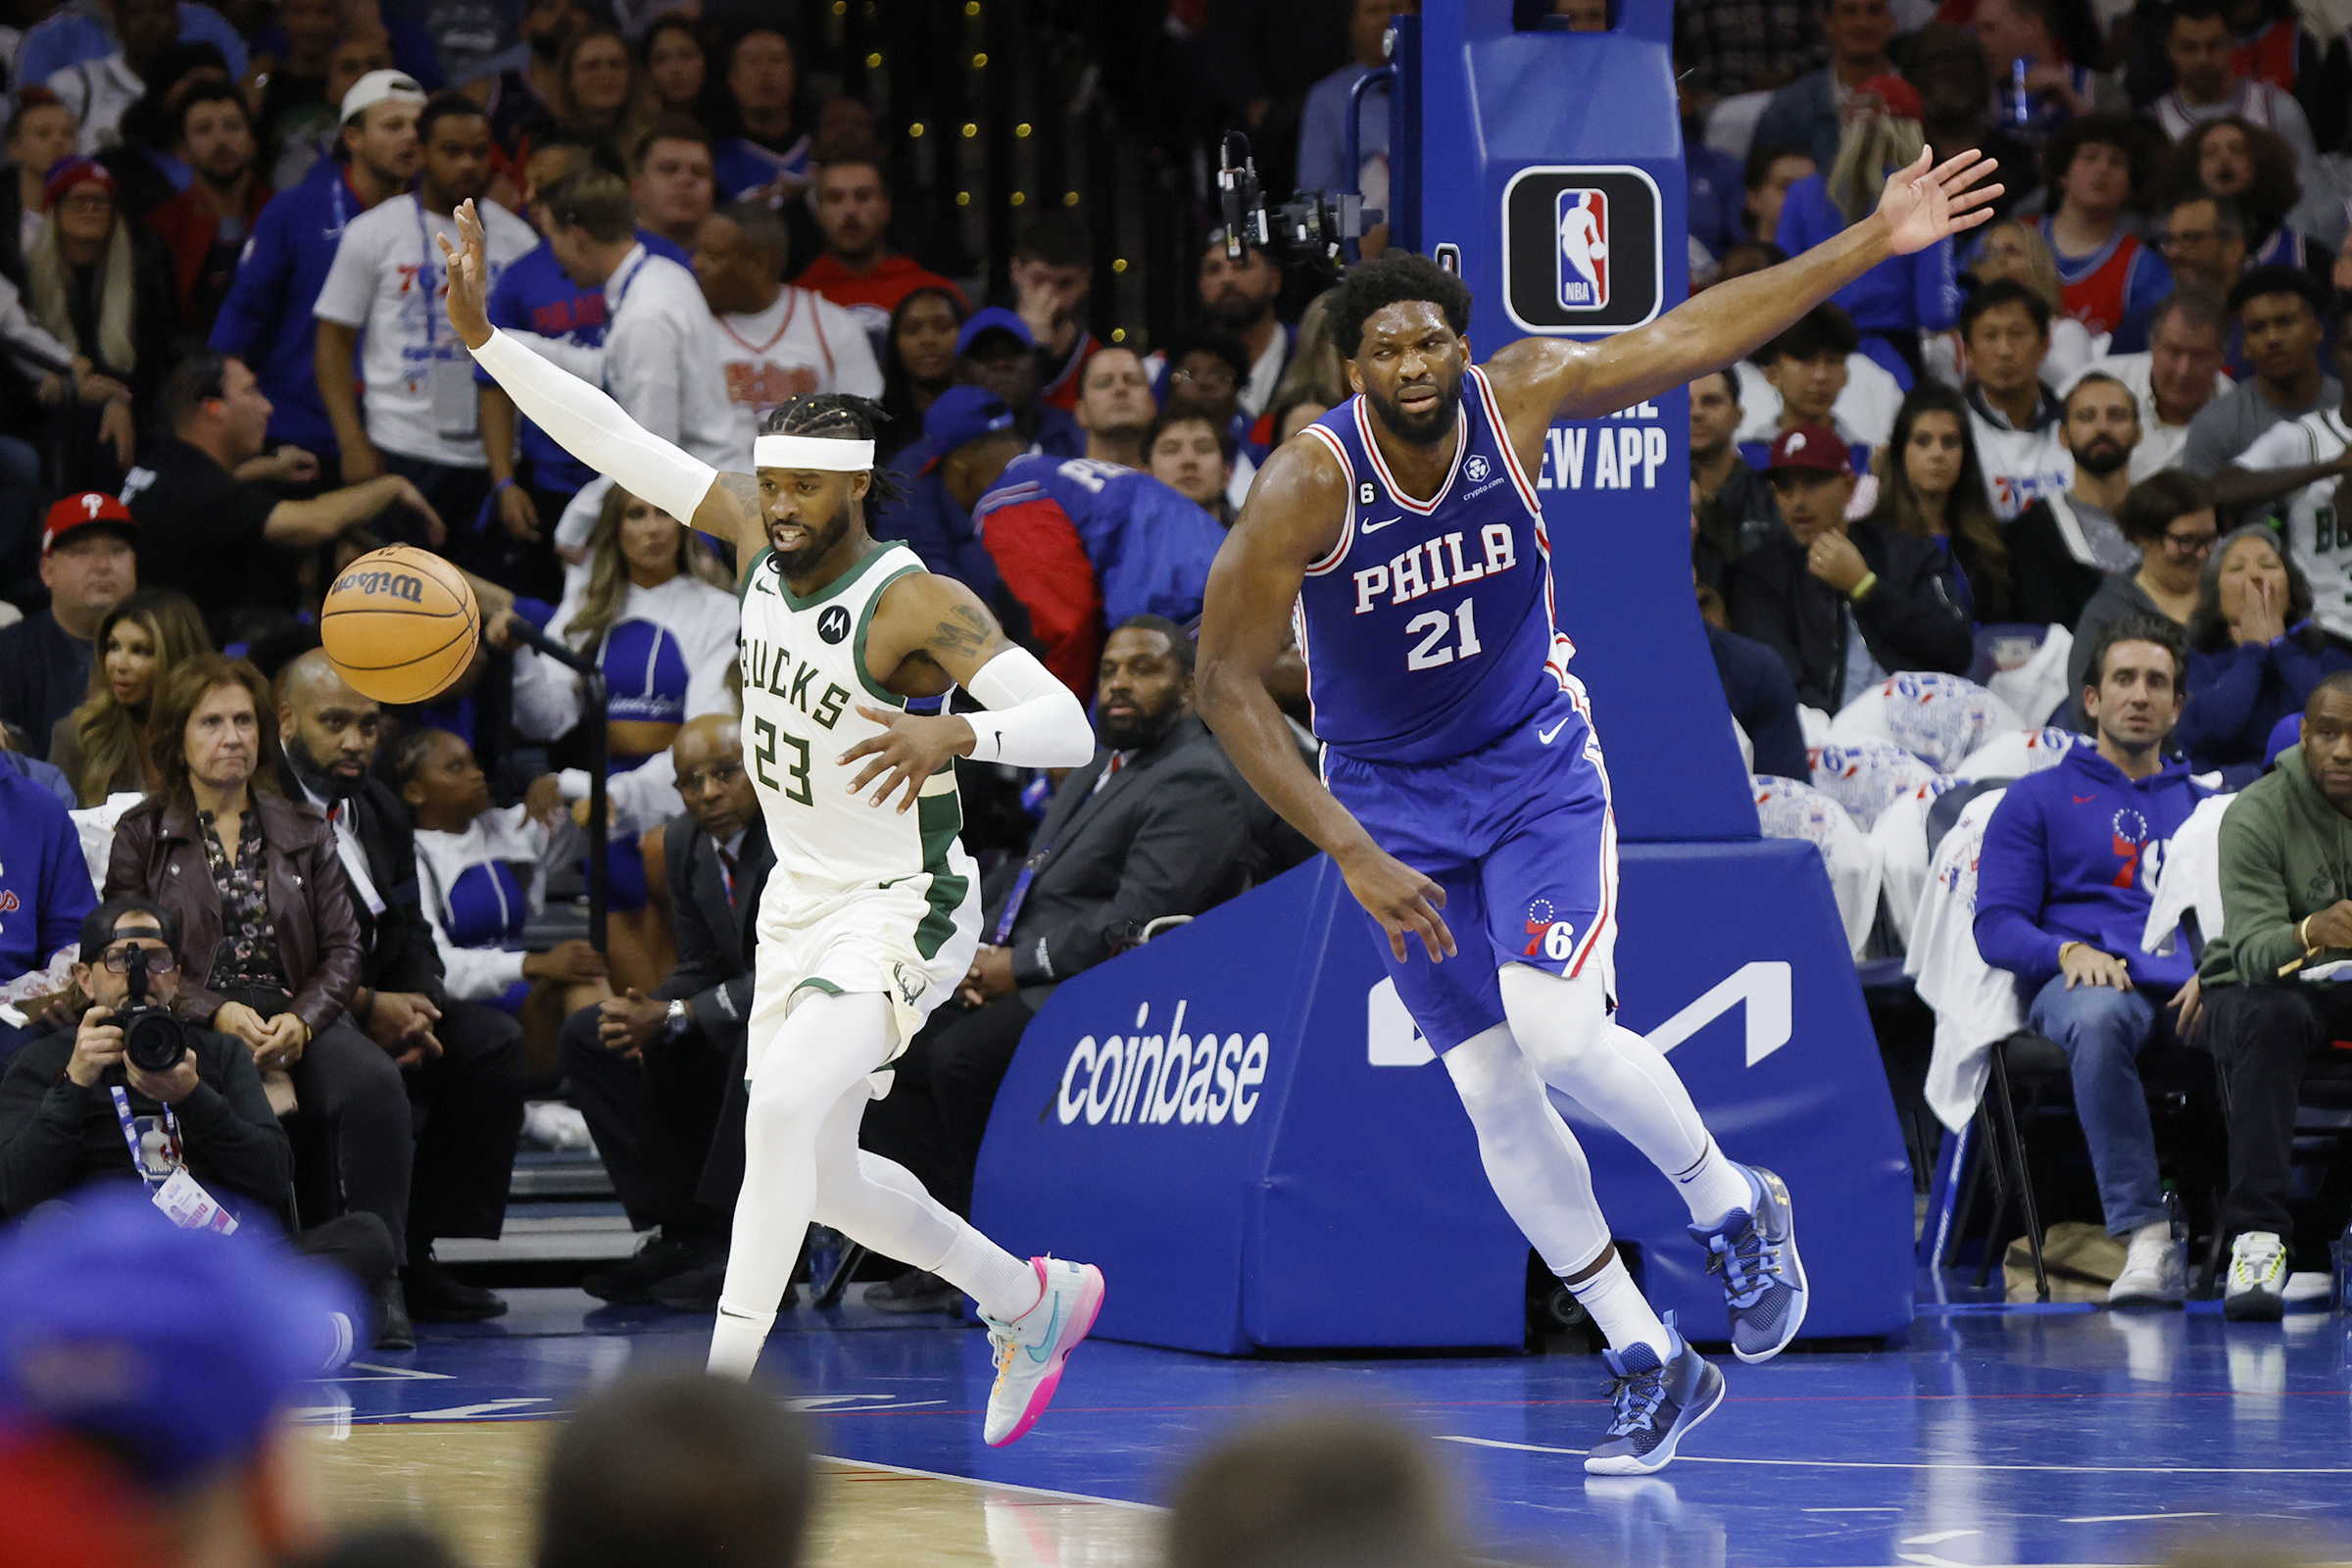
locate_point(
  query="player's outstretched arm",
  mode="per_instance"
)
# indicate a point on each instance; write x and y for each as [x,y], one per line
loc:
[1292,518]
[587,424]
[1542,379]
[940,627]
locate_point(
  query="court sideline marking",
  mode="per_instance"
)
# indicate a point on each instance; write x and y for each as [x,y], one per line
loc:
[1899,1464]
[982,1481]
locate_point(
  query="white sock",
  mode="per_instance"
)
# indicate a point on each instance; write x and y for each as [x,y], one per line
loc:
[735,1342]
[1714,1187]
[1005,1286]
[1619,1310]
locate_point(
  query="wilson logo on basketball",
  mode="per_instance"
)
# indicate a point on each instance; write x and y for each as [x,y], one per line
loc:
[398,585]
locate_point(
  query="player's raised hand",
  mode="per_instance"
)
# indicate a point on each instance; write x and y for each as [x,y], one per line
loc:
[1922,204]
[1404,901]
[468,297]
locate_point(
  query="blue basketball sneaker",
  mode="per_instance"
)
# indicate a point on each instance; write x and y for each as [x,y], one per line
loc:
[1754,1250]
[1656,1404]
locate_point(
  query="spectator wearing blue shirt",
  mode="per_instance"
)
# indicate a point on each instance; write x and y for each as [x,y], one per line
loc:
[1807,113]
[1902,296]
[995,351]
[45,890]
[2254,656]
[1323,121]
[266,318]
[1762,698]
[2111,281]
[412,49]
[1714,192]
[2062,897]
[85,30]
[932,521]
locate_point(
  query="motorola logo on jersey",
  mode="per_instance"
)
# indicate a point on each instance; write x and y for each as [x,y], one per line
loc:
[1583,248]
[834,625]
[1167,1076]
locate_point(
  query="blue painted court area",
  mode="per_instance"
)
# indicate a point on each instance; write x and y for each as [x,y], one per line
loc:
[2053,1435]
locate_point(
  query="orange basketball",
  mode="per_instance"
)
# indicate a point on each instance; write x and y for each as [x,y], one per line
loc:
[401,624]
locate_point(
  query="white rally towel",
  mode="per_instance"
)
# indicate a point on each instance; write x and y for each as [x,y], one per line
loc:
[1866,776]
[1938,718]
[2190,878]
[1788,810]
[2019,753]
[2037,685]
[1901,840]
[1976,1004]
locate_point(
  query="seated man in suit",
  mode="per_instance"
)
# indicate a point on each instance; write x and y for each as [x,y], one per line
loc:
[659,1078]
[1158,823]
[461,1062]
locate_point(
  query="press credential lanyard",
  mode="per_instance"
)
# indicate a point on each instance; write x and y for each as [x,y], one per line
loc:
[130,1135]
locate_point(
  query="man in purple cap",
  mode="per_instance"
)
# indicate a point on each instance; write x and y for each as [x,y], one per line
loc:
[88,567]
[1845,604]
[998,352]
[171,1357]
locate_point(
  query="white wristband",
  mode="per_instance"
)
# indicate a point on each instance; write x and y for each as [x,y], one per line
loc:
[1032,721]
[597,430]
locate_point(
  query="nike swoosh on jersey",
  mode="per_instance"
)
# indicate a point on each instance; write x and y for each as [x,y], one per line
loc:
[1375,527]
[1546,735]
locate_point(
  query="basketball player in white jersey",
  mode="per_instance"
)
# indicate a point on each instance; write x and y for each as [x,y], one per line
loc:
[871,914]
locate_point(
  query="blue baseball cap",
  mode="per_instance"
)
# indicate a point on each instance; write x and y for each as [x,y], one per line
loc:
[959,415]
[173,1347]
[994,319]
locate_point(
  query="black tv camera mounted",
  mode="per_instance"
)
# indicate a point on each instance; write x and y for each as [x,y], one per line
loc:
[1310,229]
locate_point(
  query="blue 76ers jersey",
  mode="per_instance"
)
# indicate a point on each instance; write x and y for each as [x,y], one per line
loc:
[1428,630]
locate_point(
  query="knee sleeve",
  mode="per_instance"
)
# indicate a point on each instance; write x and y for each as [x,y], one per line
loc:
[1560,1025]
[1491,1074]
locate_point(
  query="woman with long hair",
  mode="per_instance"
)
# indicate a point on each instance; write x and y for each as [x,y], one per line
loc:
[675,60]
[655,610]
[599,92]
[2254,656]
[919,364]
[1932,486]
[1903,296]
[102,290]
[141,640]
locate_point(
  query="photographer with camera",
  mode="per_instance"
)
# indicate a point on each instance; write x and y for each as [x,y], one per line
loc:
[74,1100]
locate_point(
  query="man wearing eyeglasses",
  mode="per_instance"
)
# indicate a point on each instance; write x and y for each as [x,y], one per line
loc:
[63,1124]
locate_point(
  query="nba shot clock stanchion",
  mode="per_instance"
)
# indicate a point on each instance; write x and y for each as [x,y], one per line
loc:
[1238,1121]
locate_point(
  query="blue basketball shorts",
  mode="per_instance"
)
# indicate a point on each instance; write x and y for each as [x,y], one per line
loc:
[1520,835]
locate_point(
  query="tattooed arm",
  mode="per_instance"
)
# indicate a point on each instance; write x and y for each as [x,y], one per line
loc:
[928,633]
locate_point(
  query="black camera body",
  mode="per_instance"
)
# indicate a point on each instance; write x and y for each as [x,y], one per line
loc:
[153,1040]
[1308,231]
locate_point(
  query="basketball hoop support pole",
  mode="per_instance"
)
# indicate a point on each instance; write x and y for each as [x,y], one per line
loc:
[593,698]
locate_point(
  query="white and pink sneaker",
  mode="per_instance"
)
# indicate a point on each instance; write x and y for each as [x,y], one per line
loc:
[1031,1348]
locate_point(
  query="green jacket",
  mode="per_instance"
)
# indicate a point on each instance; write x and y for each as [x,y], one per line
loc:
[2286,853]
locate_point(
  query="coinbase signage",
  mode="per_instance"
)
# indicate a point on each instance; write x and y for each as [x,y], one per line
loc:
[1239,1123]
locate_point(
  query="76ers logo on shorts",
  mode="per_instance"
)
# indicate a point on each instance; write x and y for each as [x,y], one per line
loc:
[834,625]
[1583,248]
[1583,225]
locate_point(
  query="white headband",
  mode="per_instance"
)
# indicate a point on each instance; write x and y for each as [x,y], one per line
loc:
[822,453]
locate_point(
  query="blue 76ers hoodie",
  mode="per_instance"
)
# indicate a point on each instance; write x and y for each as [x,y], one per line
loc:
[2069,856]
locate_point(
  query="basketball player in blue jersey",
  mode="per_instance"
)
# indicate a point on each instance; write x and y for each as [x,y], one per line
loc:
[1400,540]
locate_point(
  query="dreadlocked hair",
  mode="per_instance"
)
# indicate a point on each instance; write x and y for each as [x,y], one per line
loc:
[846,416]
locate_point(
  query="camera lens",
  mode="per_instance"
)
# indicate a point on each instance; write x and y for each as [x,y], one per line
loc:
[153,1040]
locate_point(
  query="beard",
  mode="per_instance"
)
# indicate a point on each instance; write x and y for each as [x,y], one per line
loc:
[1232,310]
[819,540]
[2102,457]
[1419,428]
[318,780]
[1135,731]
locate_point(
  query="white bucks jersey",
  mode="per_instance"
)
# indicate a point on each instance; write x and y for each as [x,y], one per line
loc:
[2318,536]
[804,676]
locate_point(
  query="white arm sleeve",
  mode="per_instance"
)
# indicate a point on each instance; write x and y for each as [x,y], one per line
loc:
[595,429]
[580,360]
[1033,720]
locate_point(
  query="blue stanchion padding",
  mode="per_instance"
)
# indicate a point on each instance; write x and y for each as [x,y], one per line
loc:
[1240,1124]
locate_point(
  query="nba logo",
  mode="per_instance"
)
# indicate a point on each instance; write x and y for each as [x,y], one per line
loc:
[1581,223]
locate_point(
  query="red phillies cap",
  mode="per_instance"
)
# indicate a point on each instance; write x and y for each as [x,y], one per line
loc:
[1899,96]
[1810,445]
[88,510]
